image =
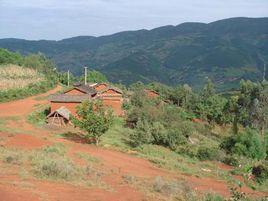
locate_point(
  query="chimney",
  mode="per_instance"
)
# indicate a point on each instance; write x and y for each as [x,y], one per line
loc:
[85,75]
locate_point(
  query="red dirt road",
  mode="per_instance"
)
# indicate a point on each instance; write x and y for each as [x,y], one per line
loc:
[24,106]
[15,188]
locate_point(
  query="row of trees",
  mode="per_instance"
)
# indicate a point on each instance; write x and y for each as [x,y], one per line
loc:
[247,106]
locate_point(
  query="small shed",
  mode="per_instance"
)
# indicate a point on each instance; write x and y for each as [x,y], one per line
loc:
[59,117]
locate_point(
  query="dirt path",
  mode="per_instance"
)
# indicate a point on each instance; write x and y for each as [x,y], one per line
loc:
[13,188]
[24,106]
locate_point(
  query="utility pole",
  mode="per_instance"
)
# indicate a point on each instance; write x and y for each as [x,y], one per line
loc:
[68,77]
[85,75]
[264,71]
[264,67]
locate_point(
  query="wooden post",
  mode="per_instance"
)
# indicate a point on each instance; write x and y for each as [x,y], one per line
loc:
[85,75]
[264,71]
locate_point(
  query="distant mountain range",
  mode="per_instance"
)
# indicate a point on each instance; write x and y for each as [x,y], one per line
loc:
[225,51]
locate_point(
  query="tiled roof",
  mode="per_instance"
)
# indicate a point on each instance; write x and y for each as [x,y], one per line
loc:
[69,98]
[110,88]
[87,89]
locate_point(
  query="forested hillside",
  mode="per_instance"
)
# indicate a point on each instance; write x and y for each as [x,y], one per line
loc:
[225,51]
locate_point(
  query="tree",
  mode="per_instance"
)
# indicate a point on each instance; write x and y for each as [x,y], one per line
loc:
[94,119]
[212,109]
[259,110]
[95,76]
[63,78]
[209,89]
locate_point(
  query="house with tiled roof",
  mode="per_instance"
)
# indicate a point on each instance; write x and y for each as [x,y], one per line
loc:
[110,96]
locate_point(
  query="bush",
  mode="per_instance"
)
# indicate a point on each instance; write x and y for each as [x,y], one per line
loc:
[175,138]
[231,160]
[260,172]
[38,117]
[207,153]
[142,134]
[248,143]
[55,168]
[176,189]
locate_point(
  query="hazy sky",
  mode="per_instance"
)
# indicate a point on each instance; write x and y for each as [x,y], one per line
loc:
[57,19]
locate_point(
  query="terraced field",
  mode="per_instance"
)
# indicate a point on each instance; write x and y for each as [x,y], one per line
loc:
[14,77]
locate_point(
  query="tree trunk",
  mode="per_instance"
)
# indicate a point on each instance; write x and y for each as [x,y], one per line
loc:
[97,141]
[235,125]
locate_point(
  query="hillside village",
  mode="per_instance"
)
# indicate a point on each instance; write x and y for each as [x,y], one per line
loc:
[99,140]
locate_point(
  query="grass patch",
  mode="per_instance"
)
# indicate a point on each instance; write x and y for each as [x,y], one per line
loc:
[11,156]
[52,163]
[88,157]
[57,148]
[50,167]
[117,136]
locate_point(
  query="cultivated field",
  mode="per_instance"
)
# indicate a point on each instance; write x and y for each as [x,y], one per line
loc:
[14,77]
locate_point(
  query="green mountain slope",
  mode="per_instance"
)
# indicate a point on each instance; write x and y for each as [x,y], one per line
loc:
[225,51]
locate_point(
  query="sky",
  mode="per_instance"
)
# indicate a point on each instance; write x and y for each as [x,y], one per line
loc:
[58,19]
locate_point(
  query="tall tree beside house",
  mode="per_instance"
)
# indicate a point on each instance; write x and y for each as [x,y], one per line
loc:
[94,119]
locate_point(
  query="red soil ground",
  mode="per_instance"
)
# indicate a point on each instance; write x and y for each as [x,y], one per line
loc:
[13,188]
[26,142]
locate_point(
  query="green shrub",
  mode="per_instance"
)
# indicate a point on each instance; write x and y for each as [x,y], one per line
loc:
[207,153]
[38,117]
[248,143]
[55,168]
[213,197]
[231,160]
[175,138]
[142,134]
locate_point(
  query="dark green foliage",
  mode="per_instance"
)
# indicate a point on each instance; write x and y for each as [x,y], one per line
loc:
[211,108]
[231,160]
[225,51]
[260,172]
[7,57]
[157,123]
[63,78]
[248,143]
[94,77]
[94,119]
[207,153]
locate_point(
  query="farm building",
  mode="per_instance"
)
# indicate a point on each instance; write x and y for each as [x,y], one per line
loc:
[112,97]
[70,99]
[59,117]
